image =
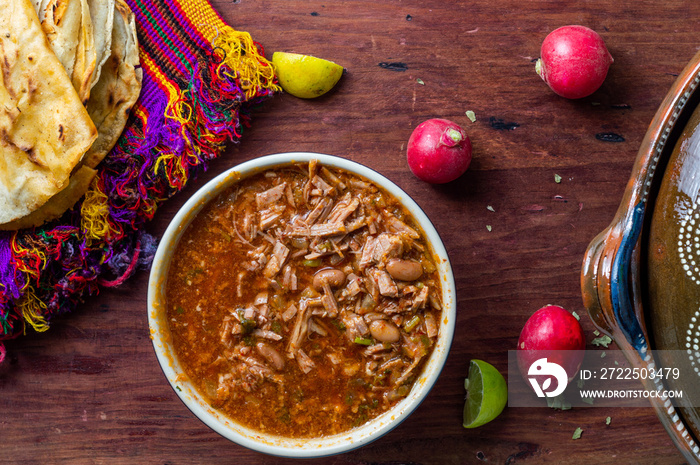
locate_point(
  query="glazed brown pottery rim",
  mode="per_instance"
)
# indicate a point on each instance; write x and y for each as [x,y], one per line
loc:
[612,269]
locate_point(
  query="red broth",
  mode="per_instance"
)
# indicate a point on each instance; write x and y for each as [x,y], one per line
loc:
[303,301]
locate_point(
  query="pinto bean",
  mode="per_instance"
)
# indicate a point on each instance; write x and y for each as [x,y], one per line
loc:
[384,331]
[404,270]
[333,277]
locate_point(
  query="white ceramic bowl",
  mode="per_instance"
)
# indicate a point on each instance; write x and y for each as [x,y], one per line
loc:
[275,445]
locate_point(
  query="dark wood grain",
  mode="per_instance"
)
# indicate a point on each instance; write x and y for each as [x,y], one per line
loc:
[90,391]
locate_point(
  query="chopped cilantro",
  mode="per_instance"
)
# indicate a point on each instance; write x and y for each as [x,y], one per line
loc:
[298,396]
[363,341]
[192,273]
[602,354]
[380,379]
[471,115]
[284,415]
[488,227]
[349,398]
[360,418]
[248,324]
[588,400]
[576,316]
[577,433]
[365,407]
[420,81]
[490,208]
[558,403]
[596,332]
[603,340]
[608,420]
[557,178]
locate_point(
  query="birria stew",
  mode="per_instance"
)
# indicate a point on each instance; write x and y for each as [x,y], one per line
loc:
[303,301]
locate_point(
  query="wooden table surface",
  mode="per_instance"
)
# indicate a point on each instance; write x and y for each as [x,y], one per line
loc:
[90,389]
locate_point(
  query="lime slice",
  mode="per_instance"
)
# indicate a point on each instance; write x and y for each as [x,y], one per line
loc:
[487,394]
[305,76]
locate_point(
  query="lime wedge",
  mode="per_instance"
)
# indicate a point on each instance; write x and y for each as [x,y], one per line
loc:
[487,394]
[305,76]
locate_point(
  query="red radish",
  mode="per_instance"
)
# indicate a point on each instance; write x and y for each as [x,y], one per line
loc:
[573,61]
[439,151]
[554,329]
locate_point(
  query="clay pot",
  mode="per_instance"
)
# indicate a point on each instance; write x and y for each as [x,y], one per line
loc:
[641,276]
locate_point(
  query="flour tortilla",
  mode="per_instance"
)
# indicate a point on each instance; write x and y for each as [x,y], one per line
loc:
[44,128]
[69,29]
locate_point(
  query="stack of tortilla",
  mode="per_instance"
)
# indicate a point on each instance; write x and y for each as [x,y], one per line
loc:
[69,78]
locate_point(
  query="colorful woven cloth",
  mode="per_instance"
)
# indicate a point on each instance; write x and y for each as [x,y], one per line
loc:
[200,78]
